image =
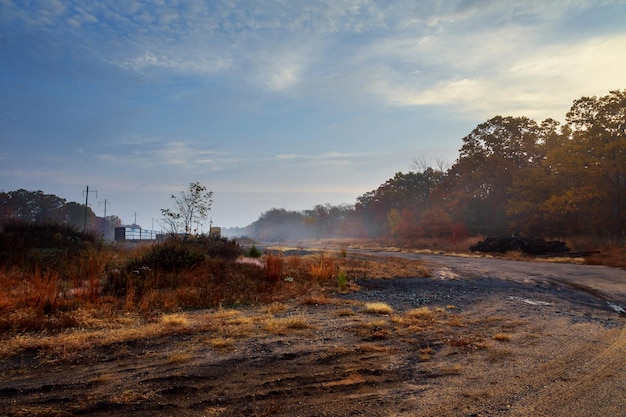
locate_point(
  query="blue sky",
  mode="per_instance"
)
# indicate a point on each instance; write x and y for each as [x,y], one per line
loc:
[283,104]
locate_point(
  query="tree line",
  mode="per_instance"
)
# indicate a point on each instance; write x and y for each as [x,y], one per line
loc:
[513,175]
[37,207]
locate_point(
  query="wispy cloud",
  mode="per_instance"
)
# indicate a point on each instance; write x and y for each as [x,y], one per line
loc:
[537,84]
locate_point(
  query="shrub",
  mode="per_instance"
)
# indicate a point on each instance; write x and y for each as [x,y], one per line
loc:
[322,268]
[254,252]
[173,255]
[342,280]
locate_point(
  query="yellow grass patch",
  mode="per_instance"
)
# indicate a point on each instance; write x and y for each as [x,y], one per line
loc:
[378,308]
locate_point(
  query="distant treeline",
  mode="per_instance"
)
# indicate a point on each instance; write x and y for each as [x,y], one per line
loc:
[513,175]
[37,207]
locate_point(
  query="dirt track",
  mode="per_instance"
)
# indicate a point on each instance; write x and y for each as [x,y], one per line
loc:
[503,338]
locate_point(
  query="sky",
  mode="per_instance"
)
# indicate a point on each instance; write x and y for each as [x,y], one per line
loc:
[277,104]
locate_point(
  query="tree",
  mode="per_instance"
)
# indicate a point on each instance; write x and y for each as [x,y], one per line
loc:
[279,225]
[412,191]
[30,206]
[478,183]
[190,207]
[596,157]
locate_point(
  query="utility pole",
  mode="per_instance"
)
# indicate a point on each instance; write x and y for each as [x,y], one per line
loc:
[86,193]
[105,206]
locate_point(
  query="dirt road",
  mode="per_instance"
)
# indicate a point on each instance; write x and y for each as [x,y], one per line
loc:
[480,337]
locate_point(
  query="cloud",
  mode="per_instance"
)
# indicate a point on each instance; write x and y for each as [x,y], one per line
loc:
[199,64]
[538,83]
[155,154]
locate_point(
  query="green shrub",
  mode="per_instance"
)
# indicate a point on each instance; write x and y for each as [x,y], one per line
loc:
[254,252]
[342,280]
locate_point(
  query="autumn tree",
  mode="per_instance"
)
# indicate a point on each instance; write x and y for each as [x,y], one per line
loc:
[477,184]
[591,166]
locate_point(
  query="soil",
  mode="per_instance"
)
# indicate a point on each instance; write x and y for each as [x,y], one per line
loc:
[494,338]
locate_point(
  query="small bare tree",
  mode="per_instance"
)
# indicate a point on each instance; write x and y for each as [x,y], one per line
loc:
[190,207]
[421,164]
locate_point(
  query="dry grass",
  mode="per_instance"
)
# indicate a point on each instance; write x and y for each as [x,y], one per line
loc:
[422,313]
[275,308]
[322,267]
[378,308]
[222,343]
[179,357]
[175,320]
[502,337]
[345,312]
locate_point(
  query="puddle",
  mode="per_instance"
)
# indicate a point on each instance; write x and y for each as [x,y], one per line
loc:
[617,307]
[531,302]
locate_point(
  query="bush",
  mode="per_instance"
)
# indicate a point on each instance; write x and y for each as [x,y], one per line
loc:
[161,265]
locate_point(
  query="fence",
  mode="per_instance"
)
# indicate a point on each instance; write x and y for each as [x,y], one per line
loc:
[135,233]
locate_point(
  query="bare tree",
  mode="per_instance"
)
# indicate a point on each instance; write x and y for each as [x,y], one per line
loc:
[190,207]
[421,164]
